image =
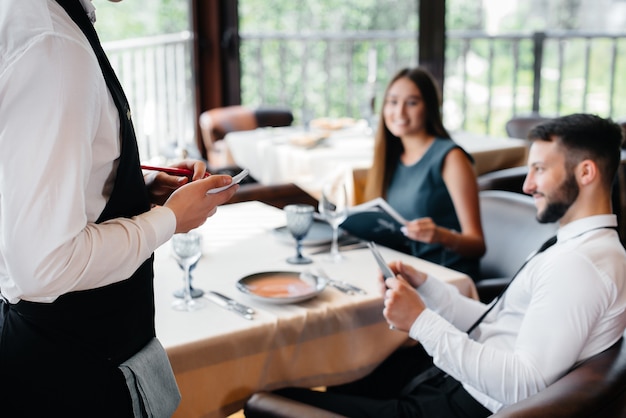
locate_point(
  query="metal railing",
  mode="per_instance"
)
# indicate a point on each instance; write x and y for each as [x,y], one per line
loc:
[488,78]
[156,73]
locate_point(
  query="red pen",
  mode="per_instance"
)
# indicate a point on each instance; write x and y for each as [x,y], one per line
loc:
[174,171]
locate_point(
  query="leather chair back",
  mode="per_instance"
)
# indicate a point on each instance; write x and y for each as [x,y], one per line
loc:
[511,232]
[216,123]
[519,126]
[594,389]
[508,179]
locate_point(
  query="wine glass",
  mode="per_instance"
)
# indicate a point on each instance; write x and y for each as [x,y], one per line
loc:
[333,207]
[195,292]
[187,250]
[299,222]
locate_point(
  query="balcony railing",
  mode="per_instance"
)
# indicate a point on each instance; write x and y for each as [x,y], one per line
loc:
[488,78]
[491,78]
[156,73]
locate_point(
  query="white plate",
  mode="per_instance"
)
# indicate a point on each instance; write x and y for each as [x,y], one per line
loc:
[321,233]
[280,287]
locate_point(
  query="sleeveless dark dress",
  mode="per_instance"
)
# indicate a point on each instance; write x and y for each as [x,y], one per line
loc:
[419,191]
[61,358]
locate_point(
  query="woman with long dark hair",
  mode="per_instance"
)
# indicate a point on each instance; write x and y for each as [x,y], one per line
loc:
[425,176]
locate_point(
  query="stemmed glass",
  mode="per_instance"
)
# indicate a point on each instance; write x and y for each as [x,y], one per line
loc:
[299,222]
[195,292]
[333,206]
[187,250]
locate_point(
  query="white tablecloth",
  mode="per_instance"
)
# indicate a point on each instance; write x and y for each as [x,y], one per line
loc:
[220,358]
[272,159]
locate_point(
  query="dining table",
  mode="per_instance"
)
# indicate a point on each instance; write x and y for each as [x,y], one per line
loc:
[220,358]
[281,155]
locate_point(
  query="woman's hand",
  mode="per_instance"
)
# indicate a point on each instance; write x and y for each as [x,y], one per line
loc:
[162,185]
[422,229]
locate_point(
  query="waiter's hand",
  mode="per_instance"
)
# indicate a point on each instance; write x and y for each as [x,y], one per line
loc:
[192,205]
[161,185]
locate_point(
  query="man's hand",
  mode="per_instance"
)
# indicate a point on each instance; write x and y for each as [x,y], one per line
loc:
[402,303]
[415,277]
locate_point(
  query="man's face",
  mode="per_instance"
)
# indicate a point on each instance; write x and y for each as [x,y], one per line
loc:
[551,185]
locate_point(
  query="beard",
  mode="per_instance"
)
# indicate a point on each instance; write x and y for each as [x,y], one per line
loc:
[559,202]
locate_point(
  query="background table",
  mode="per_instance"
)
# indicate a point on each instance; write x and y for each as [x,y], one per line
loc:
[272,158]
[220,358]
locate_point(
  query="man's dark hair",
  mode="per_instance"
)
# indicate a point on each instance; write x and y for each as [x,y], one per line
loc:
[584,136]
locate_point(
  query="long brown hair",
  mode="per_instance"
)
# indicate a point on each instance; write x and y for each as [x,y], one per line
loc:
[387,146]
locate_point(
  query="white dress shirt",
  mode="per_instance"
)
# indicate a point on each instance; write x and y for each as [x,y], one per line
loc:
[566,305]
[59,132]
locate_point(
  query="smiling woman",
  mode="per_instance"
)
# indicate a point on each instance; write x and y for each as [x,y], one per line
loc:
[425,176]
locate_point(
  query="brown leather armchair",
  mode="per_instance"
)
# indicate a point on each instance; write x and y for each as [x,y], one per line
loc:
[511,233]
[278,195]
[519,126]
[508,179]
[216,123]
[594,389]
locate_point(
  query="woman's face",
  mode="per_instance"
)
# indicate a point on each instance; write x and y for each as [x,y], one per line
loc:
[404,111]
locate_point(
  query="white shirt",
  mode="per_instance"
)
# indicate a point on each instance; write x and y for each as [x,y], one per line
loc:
[566,305]
[59,136]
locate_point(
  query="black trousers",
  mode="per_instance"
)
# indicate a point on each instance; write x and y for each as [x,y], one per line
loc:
[46,375]
[387,392]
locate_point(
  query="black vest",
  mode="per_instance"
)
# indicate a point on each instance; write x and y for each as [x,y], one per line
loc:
[115,321]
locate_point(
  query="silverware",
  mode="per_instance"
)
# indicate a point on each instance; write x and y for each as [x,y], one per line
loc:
[230,304]
[345,287]
[344,247]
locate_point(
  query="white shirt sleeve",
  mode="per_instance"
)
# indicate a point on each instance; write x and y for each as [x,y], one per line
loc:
[568,298]
[446,300]
[60,142]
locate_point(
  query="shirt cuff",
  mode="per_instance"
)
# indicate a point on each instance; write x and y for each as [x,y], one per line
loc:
[423,324]
[163,222]
[432,288]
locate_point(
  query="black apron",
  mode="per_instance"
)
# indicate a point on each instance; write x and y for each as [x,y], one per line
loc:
[61,358]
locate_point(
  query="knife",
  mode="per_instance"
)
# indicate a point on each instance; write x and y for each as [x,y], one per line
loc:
[343,247]
[230,304]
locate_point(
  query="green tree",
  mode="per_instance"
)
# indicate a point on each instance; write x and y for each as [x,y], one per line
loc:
[133,19]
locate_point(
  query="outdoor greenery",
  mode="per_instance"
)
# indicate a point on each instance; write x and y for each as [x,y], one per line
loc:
[319,74]
[298,54]
[135,19]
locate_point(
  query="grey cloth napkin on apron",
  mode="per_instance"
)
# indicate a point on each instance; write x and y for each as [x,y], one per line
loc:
[151,382]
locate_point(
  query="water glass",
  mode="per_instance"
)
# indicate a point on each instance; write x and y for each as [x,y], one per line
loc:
[187,250]
[299,222]
[333,207]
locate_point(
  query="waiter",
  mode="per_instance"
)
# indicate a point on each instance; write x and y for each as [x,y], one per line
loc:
[78,226]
